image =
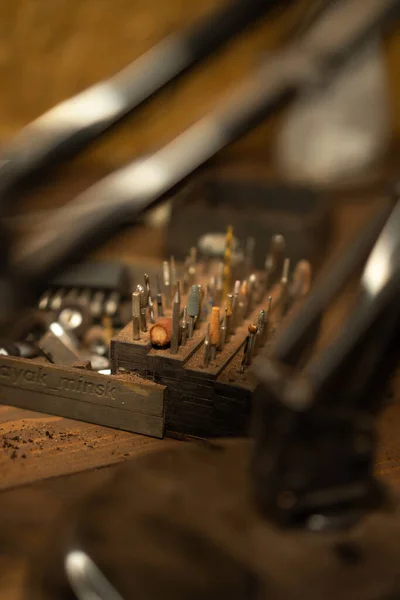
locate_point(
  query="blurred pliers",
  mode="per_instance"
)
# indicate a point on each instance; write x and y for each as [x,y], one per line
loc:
[338,32]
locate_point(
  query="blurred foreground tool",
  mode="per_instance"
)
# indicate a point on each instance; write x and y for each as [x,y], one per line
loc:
[316,415]
[97,212]
[70,126]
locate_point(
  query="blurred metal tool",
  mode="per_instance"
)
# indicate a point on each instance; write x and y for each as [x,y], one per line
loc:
[249,347]
[267,319]
[74,123]
[252,329]
[44,300]
[193,306]
[274,259]
[301,281]
[96,213]
[252,290]
[327,402]
[74,317]
[111,305]
[59,346]
[56,300]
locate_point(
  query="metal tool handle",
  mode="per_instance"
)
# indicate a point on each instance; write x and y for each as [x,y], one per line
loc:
[70,126]
[96,213]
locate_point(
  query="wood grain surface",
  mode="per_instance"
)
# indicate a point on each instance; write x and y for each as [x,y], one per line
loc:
[36,446]
[28,513]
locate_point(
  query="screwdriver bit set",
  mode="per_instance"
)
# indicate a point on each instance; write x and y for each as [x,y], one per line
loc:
[178,364]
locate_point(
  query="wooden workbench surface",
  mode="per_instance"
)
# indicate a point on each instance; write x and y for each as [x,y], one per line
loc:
[36,446]
[46,463]
[27,513]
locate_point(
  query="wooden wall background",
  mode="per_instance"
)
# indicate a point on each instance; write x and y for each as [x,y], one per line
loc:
[51,49]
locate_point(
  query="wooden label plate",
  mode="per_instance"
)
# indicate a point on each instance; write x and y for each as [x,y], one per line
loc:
[122,401]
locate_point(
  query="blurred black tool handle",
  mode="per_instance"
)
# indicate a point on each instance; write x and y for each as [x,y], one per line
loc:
[70,126]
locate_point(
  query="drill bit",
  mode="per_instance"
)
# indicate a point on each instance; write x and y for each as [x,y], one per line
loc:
[205,303]
[284,286]
[111,305]
[273,259]
[186,275]
[207,347]
[301,281]
[260,329]
[143,307]
[229,304]
[176,313]
[223,331]
[235,306]
[215,330]
[160,309]
[201,306]
[249,255]
[167,283]
[252,329]
[193,305]
[227,260]
[243,301]
[96,305]
[185,326]
[248,350]
[209,301]
[136,315]
[44,300]
[56,300]
[252,288]
[150,303]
